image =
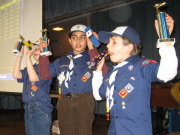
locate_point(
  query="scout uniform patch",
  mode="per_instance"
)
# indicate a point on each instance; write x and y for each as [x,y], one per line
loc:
[123,105]
[130,67]
[33,87]
[128,87]
[126,90]
[147,61]
[86,77]
[123,93]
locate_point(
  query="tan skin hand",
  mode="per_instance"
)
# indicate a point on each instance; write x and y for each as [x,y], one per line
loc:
[100,65]
[22,48]
[169,22]
[89,43]
[30,52]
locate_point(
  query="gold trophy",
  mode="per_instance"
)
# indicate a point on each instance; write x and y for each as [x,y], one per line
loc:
[17,51]
[45,48]
[165,39]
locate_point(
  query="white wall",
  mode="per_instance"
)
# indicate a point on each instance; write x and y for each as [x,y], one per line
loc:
[22,17]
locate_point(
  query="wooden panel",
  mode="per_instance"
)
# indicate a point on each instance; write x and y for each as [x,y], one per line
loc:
[161,96]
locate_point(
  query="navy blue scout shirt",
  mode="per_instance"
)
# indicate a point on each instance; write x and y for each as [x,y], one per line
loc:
[81,79]
[41,95]
[131,114]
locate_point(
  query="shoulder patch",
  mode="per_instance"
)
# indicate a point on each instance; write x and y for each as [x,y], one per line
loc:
[147,61]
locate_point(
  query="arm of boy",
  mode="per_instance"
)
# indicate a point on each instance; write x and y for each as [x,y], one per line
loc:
[93,52]
[17,66]
[168,63]
[33,77]
[44,62]
[97,80]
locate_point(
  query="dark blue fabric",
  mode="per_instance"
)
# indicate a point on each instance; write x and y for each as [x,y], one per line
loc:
[37,122]
[41,95]
[135,118]
[75,85]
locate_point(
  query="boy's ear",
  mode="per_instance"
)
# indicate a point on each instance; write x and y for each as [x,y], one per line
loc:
[130,47]
[70,41]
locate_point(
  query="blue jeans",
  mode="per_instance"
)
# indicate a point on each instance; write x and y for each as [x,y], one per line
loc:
[37,122]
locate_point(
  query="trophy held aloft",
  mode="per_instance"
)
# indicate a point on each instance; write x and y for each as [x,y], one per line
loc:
[17,51]
[46,50]
[165,40]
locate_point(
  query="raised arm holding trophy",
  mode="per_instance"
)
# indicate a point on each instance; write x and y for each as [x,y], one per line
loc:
[45,48]
[164,38]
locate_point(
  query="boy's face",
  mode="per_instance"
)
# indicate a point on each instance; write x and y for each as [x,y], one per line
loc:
[36,53]
[78,42]
[118,51]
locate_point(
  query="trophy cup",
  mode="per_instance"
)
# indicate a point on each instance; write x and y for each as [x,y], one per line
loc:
[45,48]
[165,39]
[17,51]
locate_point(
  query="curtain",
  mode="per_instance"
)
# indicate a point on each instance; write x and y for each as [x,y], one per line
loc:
[56,8]
[139,15]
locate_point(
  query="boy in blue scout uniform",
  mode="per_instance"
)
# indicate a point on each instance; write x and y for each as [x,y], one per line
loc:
[127,87]
[76,104]
[35,95]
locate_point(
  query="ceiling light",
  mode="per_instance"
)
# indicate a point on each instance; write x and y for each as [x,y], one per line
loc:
[57,29]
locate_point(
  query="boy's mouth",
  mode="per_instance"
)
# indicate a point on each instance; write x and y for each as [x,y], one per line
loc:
[78,46]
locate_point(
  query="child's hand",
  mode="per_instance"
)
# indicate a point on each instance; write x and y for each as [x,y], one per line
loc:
[30,52]
[170,23]
[100,65]
[43,44]
[89,43]
[22,48]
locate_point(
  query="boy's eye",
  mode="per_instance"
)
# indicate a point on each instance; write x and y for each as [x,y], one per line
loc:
[74,37]
[83,37]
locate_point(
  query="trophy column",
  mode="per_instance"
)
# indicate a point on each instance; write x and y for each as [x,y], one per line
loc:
[45,48]
[17,51]
[165,39]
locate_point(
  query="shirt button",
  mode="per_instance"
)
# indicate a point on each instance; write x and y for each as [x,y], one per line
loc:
[74,73]
[75,63]
[116,117]
[74,84]
[114,102]
[114,87]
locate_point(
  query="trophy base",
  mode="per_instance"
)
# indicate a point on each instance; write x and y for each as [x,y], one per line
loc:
[48,53]
[16,52]
[168,42]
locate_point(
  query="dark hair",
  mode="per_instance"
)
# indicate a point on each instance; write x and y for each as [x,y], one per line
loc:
[136,49]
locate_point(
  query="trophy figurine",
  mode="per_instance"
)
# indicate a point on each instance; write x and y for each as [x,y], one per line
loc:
[165,39]
[45,48]
[17,51]
[28,44]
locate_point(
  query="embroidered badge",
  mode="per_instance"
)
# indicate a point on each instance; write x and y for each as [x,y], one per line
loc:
[130,67]
[123,105]
[132,78]
[123,93]
[147,61]
[86,77]
[128,87]
[33,86]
